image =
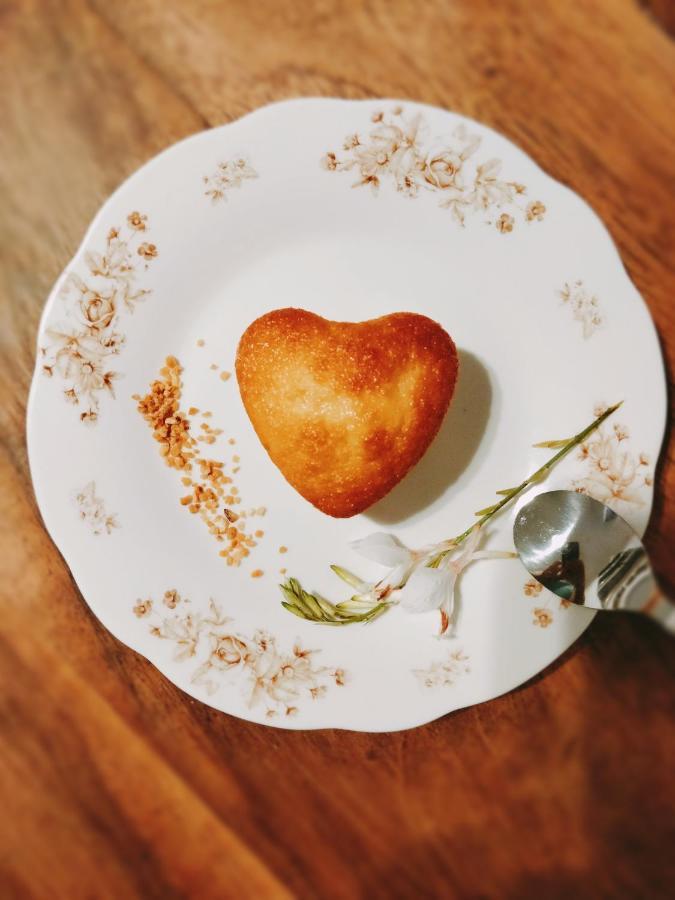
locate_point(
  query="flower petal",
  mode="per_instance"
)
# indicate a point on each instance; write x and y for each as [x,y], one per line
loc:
[382,548]
[397,576]
[427,589]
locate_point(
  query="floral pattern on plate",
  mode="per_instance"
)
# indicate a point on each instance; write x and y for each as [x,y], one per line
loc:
[396,149]
[228,175]
[542,615]
[266,675]
[584,305]
[80,348]
[444,672]
[613,474]
[93,512]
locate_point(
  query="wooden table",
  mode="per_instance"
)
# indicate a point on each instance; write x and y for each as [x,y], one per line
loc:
[115,784]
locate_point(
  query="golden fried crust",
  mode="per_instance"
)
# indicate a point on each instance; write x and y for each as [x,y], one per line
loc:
[345,409]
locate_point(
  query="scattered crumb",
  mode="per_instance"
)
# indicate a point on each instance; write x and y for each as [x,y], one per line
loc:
[207,494]
[257,573]
[283,549]
[225,376]
[213,367]
[200,342]
[282,571]
[259,533]
[231,441]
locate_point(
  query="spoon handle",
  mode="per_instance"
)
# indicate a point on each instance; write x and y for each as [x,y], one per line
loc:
[661,608]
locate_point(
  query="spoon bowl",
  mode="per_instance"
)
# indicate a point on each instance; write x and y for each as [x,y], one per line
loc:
[583,551]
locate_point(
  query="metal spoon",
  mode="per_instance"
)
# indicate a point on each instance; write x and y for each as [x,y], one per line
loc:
[584,552]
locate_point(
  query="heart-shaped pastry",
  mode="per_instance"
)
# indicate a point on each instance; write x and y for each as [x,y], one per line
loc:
[345,409]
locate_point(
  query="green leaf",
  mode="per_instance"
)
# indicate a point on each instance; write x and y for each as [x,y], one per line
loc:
[313,608]
[506,491]
[310,601]
[377,612]
[299,603]
[294,610]
[487,511]
[288,594]
[353,606]
[326,608]
[352,580]
[553,445]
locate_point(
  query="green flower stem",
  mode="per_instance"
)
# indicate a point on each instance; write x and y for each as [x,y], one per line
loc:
[541,472]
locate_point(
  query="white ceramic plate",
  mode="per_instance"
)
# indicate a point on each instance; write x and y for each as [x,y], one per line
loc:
[425,211]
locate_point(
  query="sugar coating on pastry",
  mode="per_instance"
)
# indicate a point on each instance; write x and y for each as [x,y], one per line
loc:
[345,409]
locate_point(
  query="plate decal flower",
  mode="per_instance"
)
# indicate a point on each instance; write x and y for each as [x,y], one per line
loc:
[396,149]
[542,613]
[584,305]
[611,472]
[444,672]
[93,512]
[279,679]
[80,349]
[228,175]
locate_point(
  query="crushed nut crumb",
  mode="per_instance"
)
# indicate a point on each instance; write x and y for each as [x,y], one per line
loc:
[208,494]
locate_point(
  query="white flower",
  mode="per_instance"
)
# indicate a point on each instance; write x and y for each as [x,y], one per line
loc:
[419,587]
[387,550]
[429,588]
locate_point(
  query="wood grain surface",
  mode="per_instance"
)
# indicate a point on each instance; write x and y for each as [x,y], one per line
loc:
[113,783]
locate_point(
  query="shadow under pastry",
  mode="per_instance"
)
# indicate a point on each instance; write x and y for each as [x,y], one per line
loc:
[451,451]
